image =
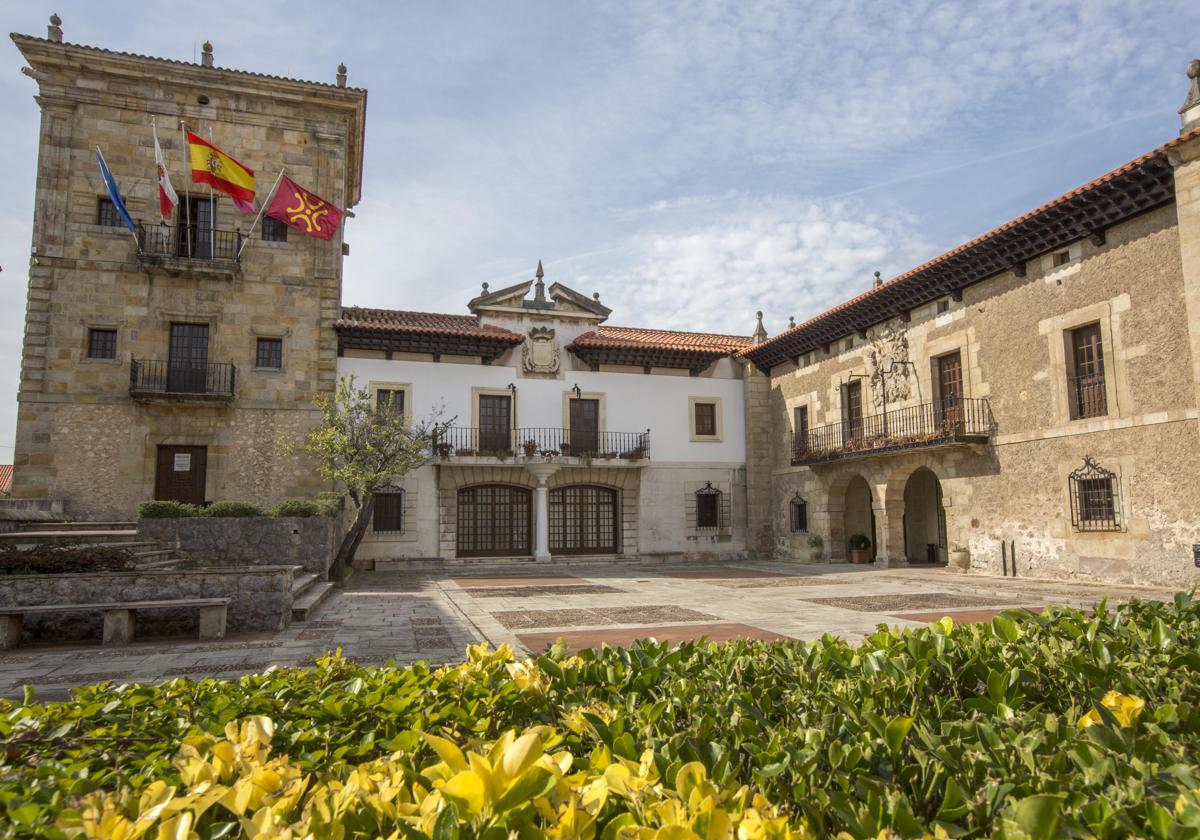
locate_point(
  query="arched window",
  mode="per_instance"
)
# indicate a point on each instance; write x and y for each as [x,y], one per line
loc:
[1095,498]
[799,514]
[708,507]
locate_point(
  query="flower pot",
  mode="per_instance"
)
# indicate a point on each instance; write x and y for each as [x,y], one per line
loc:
[860,555]
[960,559]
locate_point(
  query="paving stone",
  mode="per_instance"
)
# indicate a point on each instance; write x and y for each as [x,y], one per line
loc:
[577,640]
[776,582]
[549,618]
[541,591]
[904,602]
[544,578]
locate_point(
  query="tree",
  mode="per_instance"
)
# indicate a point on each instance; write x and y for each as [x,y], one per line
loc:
[364,448]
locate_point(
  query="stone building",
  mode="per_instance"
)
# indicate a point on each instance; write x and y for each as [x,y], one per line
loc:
[568,437]
[170,369]
[1026,403]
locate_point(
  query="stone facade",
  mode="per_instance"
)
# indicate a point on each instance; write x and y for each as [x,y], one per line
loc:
[309,542]
[82,436]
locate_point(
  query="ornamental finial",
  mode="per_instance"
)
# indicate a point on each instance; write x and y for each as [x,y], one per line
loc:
[1189,114]
[341,75]
[206,54]
[760,332]
[539,287]
[54,30]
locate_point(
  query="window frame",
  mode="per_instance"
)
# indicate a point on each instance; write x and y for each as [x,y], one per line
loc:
[1083,500]
[278,228]
[1079,407]
[92,332]
[718,420]
[258,356]
[374,387]
[106,212]
[798,514]
[398,512]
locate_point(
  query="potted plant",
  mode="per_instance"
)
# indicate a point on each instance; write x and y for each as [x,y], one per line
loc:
[564,448]
[530,447]
[816,546]
[442,450]
[960,558]
[860,548]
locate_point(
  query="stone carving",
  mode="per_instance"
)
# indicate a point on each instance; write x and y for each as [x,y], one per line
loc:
[539,353]
[888,366]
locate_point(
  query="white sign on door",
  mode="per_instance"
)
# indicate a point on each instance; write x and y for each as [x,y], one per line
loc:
[183,462]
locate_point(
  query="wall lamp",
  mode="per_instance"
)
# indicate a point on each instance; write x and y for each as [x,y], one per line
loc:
[575,390]
[512,386]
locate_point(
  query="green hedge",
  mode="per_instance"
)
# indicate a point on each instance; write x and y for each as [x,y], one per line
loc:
[324,504]
[1059,724]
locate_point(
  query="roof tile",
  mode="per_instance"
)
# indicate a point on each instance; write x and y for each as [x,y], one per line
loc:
[434,323]
[632,337]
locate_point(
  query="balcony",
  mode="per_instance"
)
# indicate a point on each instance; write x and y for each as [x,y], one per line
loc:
[544,443]
[1088,396]
[190,249]
[931,424]
[154,378]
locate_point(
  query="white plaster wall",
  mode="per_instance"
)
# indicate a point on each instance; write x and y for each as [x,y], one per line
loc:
[633,402]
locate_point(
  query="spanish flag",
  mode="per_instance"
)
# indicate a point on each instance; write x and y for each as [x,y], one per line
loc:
[212,166]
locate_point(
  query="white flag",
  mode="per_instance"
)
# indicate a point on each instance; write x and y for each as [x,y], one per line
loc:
[167,198]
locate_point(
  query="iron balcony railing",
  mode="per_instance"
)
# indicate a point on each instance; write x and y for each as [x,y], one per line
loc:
[155,377]
[191,241]
[927,424]
[1088,397]
[541,442]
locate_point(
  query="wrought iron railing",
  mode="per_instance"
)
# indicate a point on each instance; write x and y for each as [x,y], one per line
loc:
[1088,397]
[162,377]
[927,424]
[541,442]
[194,241]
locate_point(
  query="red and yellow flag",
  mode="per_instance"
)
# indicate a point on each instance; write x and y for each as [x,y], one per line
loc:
[223,173]
[305,211]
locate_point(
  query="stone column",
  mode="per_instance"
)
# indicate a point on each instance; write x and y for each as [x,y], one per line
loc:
[541,471]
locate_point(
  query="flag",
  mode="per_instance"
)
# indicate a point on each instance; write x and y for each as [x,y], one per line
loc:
[167,197]
[212,166]
[114,193]
[308,213]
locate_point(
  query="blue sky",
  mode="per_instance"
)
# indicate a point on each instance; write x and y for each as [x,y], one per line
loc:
[692,162]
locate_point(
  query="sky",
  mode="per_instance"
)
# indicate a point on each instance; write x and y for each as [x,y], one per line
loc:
[692,162]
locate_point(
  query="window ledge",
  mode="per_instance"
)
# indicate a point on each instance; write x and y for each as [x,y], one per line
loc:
[93,361]
[267,370]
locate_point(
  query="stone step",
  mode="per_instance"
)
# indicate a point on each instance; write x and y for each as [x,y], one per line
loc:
[302,583]
[410,564]
[304,607]
[77,526]
[155,554]
[78,537]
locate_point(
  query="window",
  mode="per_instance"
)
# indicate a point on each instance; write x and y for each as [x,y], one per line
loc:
[799,514]
[389,512]
[273,230]
[1095,498]
[800,429]
[270,353]
[708,507]
[106,213]
[706,419]
[848,344]
[389,399]
[1060,258]
[805,360]
[1085,383]
[943,306]
[102,344]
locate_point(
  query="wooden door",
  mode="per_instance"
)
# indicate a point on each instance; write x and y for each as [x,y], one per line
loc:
[181,474]
[495,423]
[852,416]
[950,389]
[585,427]
[494,520]
[187,359]
[1088,393]
[195,229]
[800,425]
[583,520]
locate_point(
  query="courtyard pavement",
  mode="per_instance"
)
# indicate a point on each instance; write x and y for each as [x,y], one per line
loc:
[406,617]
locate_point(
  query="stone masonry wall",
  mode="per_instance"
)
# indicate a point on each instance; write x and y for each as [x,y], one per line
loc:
[310,542]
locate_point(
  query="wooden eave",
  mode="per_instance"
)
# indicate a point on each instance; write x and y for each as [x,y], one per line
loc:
[1143,187]
[693,361]
[488,348]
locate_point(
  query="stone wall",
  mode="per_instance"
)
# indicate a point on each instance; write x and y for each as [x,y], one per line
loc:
[310,541]
[261,599]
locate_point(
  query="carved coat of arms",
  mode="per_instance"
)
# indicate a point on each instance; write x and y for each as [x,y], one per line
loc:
[540,353]
[888,366]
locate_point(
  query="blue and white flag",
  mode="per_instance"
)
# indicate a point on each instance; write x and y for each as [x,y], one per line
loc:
[114,193]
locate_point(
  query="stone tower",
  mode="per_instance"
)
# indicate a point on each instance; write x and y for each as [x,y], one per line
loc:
[169,363]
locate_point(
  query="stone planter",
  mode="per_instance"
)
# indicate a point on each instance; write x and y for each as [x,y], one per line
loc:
[960,559]
[860,555]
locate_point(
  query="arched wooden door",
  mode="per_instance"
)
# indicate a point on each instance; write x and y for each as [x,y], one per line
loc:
[584,519]
[494,520]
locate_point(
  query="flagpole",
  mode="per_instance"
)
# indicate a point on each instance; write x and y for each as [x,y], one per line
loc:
[136,242]
[187,191]
[261,210]
[212,214]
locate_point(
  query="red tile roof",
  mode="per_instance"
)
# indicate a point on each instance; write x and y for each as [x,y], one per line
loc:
[633,337]
[967,246]
[429,323]
[6,477]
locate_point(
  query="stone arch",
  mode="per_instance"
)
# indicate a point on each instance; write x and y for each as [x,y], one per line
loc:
[916,508]
[850,505]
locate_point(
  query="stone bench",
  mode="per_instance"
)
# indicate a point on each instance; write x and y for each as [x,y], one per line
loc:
[118,617]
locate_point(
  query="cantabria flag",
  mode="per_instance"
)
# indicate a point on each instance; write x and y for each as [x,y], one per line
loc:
[167,197]
[223,173]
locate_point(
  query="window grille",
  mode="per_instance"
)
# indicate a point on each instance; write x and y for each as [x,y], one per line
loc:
[389,512]
[799,514]
[106,213]
[102,344]
[273,230]
[1095,498]
[711,510]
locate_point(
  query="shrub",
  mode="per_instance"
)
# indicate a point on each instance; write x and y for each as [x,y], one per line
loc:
[296,507]
[331,503]
[859,542]
[166,510]
[815,542]
[223,509]
[1058,724]
[61,559]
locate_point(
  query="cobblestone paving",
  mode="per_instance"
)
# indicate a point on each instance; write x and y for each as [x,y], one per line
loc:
[389,616]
